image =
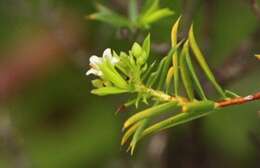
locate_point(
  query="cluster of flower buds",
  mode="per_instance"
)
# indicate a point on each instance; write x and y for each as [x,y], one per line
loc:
[119,73]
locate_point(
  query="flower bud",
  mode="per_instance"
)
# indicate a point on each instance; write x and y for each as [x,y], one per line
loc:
[97,83]
[142,58]
[137,50]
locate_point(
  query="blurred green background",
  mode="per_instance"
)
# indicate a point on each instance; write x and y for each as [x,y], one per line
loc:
[49,119]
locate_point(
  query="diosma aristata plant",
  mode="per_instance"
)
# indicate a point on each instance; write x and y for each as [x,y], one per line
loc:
[158,85]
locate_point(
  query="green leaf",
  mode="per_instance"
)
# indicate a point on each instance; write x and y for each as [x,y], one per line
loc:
[231,94]
[150,112]
[108,16]
[138,134]
[148,71]
[129,132]
[136,50]
[112,75]
[149,7]
[185,73]
[196,81]
[155,75]
[174,33]
[155,16]
[200,58]
[108,91]
[102,8]
[195,110]
[199,106]
[147,45]
[97,83]
[130,102]
[165,68]
[112,19]
[169,78]
[175,62]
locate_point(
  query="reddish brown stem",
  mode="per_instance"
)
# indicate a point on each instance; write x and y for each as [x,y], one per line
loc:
[239,100]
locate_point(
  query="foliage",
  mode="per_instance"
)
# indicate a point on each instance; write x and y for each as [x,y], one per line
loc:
[149,14]
[158,85]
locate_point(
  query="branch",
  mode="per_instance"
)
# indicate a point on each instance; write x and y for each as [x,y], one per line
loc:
[239,100]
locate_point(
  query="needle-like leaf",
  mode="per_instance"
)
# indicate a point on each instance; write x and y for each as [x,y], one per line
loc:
[129,132]
[175,63]
[169,78]
[205,107]
[154,16]
[165,68]
[149,7]
[108,16]
[200,58]
[231,94]
[108,91]
[147,45]
[185,73]
[198,86]
[174,33]
[138,134]
[155,75]
[150,112]
[110,73]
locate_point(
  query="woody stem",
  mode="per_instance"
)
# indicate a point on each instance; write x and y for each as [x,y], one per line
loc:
[238,100]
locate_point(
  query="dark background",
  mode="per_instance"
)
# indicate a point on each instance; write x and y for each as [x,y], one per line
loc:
[49,119]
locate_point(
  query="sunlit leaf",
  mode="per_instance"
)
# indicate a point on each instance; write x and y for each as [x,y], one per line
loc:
[165,68]
[174,33]
[185,73]
[108,91]
[148,71]
[138,133]
[204,108]
[175,62]
[108,16]
[129,132]
[147,45]
[199,106]
[150,112]
[158,14]
[112,75]
[231,94]
[150,6]
[169,78]
[155,75]
[196,81]
[200,58]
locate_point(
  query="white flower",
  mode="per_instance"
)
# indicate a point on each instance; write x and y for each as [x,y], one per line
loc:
[95,61]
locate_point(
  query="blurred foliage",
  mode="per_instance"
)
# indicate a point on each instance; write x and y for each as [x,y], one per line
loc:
[61,125]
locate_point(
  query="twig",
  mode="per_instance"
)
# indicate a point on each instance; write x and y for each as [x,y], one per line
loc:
[239,100]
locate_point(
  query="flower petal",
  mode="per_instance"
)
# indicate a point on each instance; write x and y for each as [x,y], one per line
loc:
[114,60]
[95,60]
[94,72]
[107,54]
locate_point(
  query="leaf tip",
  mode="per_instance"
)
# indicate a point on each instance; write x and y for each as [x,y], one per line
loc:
[191,32]
[174,32]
